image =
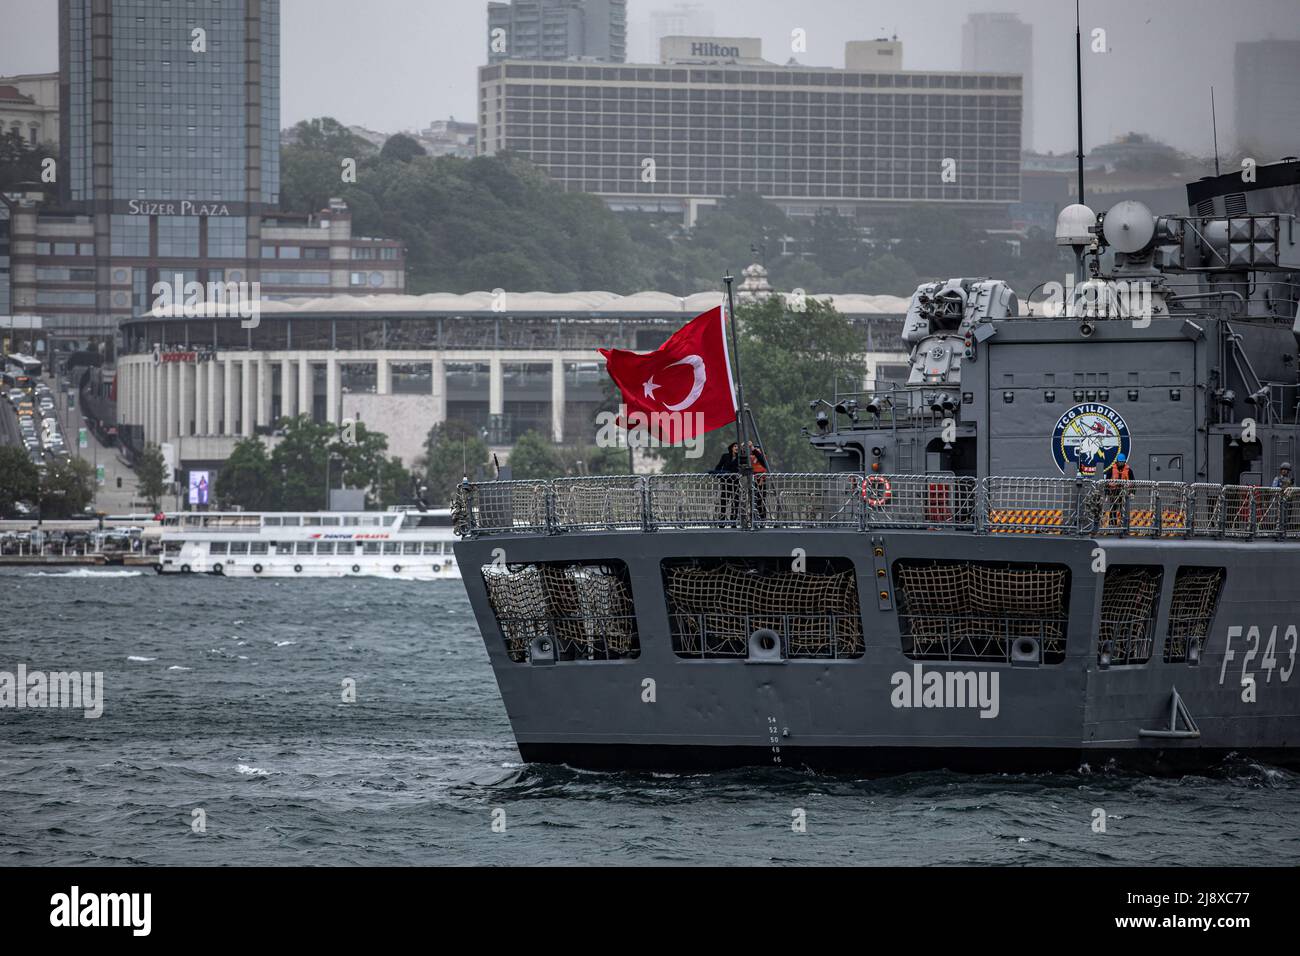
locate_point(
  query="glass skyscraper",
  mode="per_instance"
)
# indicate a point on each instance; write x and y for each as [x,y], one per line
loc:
[170,137]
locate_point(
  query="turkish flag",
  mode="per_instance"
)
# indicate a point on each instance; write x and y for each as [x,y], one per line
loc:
[684,388]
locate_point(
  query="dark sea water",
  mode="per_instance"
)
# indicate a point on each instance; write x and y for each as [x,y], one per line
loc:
[226,696]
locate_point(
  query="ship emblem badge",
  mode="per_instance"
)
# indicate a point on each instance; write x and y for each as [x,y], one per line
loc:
[1090,436]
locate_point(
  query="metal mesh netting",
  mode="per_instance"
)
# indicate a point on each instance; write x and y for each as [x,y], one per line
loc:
[969,611]
[1195,598]
[1129,599]
[714,607]
[586,609]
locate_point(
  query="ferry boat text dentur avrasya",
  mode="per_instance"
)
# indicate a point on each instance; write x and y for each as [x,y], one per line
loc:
[403,543]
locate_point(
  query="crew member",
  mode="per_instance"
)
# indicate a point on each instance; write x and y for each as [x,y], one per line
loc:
[1119,471]
[758,466]
[1283,479]
[727,470]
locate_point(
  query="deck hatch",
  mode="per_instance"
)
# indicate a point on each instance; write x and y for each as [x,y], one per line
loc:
[977,611]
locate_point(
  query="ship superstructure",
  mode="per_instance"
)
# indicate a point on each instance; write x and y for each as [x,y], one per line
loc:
[1059,542]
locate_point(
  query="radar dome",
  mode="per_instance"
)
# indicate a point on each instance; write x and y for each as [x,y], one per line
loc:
[1072,225]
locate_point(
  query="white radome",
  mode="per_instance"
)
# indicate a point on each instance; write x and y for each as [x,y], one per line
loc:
[1072,225]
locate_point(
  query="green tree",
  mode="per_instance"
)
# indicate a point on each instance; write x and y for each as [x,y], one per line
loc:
[246,477]
[535,456]
[20,162]
[300,461]
[788,358]
[20,479]
[401,148]
[452,450]
[151,472]
[68,487]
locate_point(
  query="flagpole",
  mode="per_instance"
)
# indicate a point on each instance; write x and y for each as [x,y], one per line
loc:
[740,386]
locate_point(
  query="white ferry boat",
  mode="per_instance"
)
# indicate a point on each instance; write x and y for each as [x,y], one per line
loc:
[399,543]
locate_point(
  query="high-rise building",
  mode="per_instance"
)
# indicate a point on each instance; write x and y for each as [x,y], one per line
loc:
[1267,97]
[1001,43]
[675,136]
[558,30]
[169,165]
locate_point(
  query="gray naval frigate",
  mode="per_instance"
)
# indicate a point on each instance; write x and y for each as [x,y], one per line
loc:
[976,581]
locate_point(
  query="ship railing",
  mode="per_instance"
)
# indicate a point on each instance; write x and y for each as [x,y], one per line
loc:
[921,501]
[698,501]
[1037,505]
[807,501]
[827,636]
[1139,508]
[930,635]
[494,507]
[601,503]
[852,501]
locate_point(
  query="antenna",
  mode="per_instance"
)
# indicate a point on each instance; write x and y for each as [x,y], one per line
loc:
[1214,125]
[1078,92]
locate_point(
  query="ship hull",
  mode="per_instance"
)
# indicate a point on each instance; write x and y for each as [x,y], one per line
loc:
[875,711]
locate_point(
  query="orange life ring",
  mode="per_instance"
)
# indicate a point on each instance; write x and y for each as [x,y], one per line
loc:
[876,490]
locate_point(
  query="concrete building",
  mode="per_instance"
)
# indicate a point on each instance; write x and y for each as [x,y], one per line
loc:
[29,106]
[504,364]
[170,166]
[672,137]
[1001,43]
[558,30]
[1267,98]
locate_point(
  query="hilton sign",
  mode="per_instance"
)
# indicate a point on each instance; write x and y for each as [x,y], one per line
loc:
[710,48]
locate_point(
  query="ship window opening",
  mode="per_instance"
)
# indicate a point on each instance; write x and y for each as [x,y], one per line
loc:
[584,608]
[370,522]
[330,521]
[257,547]
[271,521]
[284,547]
[291,521]
[218,547]
[351,521]
[239,547]
[1191,610]
[172,548]
[392,547]
[372,547]
[976,611]
[345,547]
[302,547]
[715,604]
[411,547]
[311,521]
[324,547]
[432,547]
[1129,600]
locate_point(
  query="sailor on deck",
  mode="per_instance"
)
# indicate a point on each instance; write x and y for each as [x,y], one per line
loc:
[1284,479]
[1119,471]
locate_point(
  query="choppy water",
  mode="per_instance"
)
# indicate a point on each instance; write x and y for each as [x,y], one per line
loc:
[226,696]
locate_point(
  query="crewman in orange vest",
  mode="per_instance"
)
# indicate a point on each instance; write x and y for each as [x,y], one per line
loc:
[1117,472]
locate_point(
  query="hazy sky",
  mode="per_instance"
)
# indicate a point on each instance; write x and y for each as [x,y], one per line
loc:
[397,64]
